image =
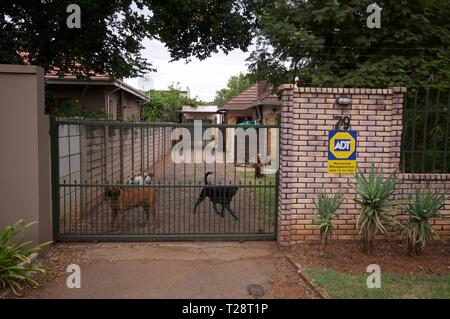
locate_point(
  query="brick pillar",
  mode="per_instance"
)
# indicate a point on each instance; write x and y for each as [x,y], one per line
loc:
[307,116]
[284,200]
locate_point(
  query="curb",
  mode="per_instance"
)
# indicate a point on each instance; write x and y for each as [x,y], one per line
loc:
[319,290]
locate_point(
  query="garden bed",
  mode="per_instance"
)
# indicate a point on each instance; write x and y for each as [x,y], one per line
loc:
[348,258]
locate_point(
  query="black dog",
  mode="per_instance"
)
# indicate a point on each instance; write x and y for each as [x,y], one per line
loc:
[218,194]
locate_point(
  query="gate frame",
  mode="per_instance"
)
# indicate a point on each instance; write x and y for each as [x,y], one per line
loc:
[54,158]
[55,167]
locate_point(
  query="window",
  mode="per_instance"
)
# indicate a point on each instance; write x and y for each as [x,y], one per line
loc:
[242,119]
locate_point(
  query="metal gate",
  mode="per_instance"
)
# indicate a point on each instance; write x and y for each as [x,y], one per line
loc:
[118,181]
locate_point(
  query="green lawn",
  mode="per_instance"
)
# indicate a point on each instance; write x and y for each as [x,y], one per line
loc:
[339,285]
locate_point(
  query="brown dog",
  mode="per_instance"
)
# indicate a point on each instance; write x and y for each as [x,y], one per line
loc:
[122,199]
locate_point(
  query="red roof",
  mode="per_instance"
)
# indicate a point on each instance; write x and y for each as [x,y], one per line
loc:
[55,72]
[257,94]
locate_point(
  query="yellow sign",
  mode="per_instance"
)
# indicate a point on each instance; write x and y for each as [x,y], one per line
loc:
[341,167]
[342,152]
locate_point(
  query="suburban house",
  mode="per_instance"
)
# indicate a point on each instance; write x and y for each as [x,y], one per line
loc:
[81,159]
[255,105]
[118,99]
[205,113]
[184,93]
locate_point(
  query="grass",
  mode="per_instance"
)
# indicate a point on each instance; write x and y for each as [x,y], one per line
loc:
[340,285]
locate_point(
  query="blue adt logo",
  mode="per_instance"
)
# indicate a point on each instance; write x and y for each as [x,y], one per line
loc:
[341,145]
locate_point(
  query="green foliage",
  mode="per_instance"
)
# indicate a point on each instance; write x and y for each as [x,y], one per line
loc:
[201,27]
[235,85]
[326,210]
[164,105]
[67,108]
[112,32]
[13,252]
[374,193]
[109,40]
[327,43]
[418,231]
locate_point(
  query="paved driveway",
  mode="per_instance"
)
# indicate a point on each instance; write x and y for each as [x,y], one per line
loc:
[171,270]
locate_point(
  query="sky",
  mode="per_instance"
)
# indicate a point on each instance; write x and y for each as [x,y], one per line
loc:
[203,78]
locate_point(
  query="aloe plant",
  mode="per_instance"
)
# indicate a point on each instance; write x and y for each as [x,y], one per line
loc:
[418,231]
[12,253]
[326,209]
[375,205]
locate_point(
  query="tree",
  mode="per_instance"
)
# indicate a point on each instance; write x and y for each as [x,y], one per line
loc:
[235,85]
[201,27]
[327,43]
[165,104]
[112,31]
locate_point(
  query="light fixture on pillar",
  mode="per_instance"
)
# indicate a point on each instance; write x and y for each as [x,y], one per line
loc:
[344,101]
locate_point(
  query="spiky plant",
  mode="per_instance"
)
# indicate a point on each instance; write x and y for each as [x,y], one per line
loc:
[326,210]
[375,205]
[13,252]
[418,231]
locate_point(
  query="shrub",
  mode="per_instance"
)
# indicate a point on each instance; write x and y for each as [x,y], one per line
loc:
[69,109]
[375,205]
[12,274]
[326,209]
[418,231]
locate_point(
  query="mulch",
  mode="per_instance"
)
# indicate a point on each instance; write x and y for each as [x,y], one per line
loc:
[55,261]
[287,284]
[348,258]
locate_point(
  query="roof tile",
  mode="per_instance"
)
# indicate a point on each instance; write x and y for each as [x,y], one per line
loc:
[249,97]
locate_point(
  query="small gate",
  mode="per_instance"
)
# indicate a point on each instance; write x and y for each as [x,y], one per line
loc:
[117,181]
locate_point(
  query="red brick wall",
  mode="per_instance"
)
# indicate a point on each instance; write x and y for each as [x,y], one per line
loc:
[307,116]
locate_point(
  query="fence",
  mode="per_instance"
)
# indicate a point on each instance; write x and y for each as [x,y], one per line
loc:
[425,142]
[93,162]
[410,135]
[307,116]
[92,153]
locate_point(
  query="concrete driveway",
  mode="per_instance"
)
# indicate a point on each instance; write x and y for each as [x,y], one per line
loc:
[170,270]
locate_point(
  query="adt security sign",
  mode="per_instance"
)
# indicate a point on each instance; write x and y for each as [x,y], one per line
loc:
[342,152]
